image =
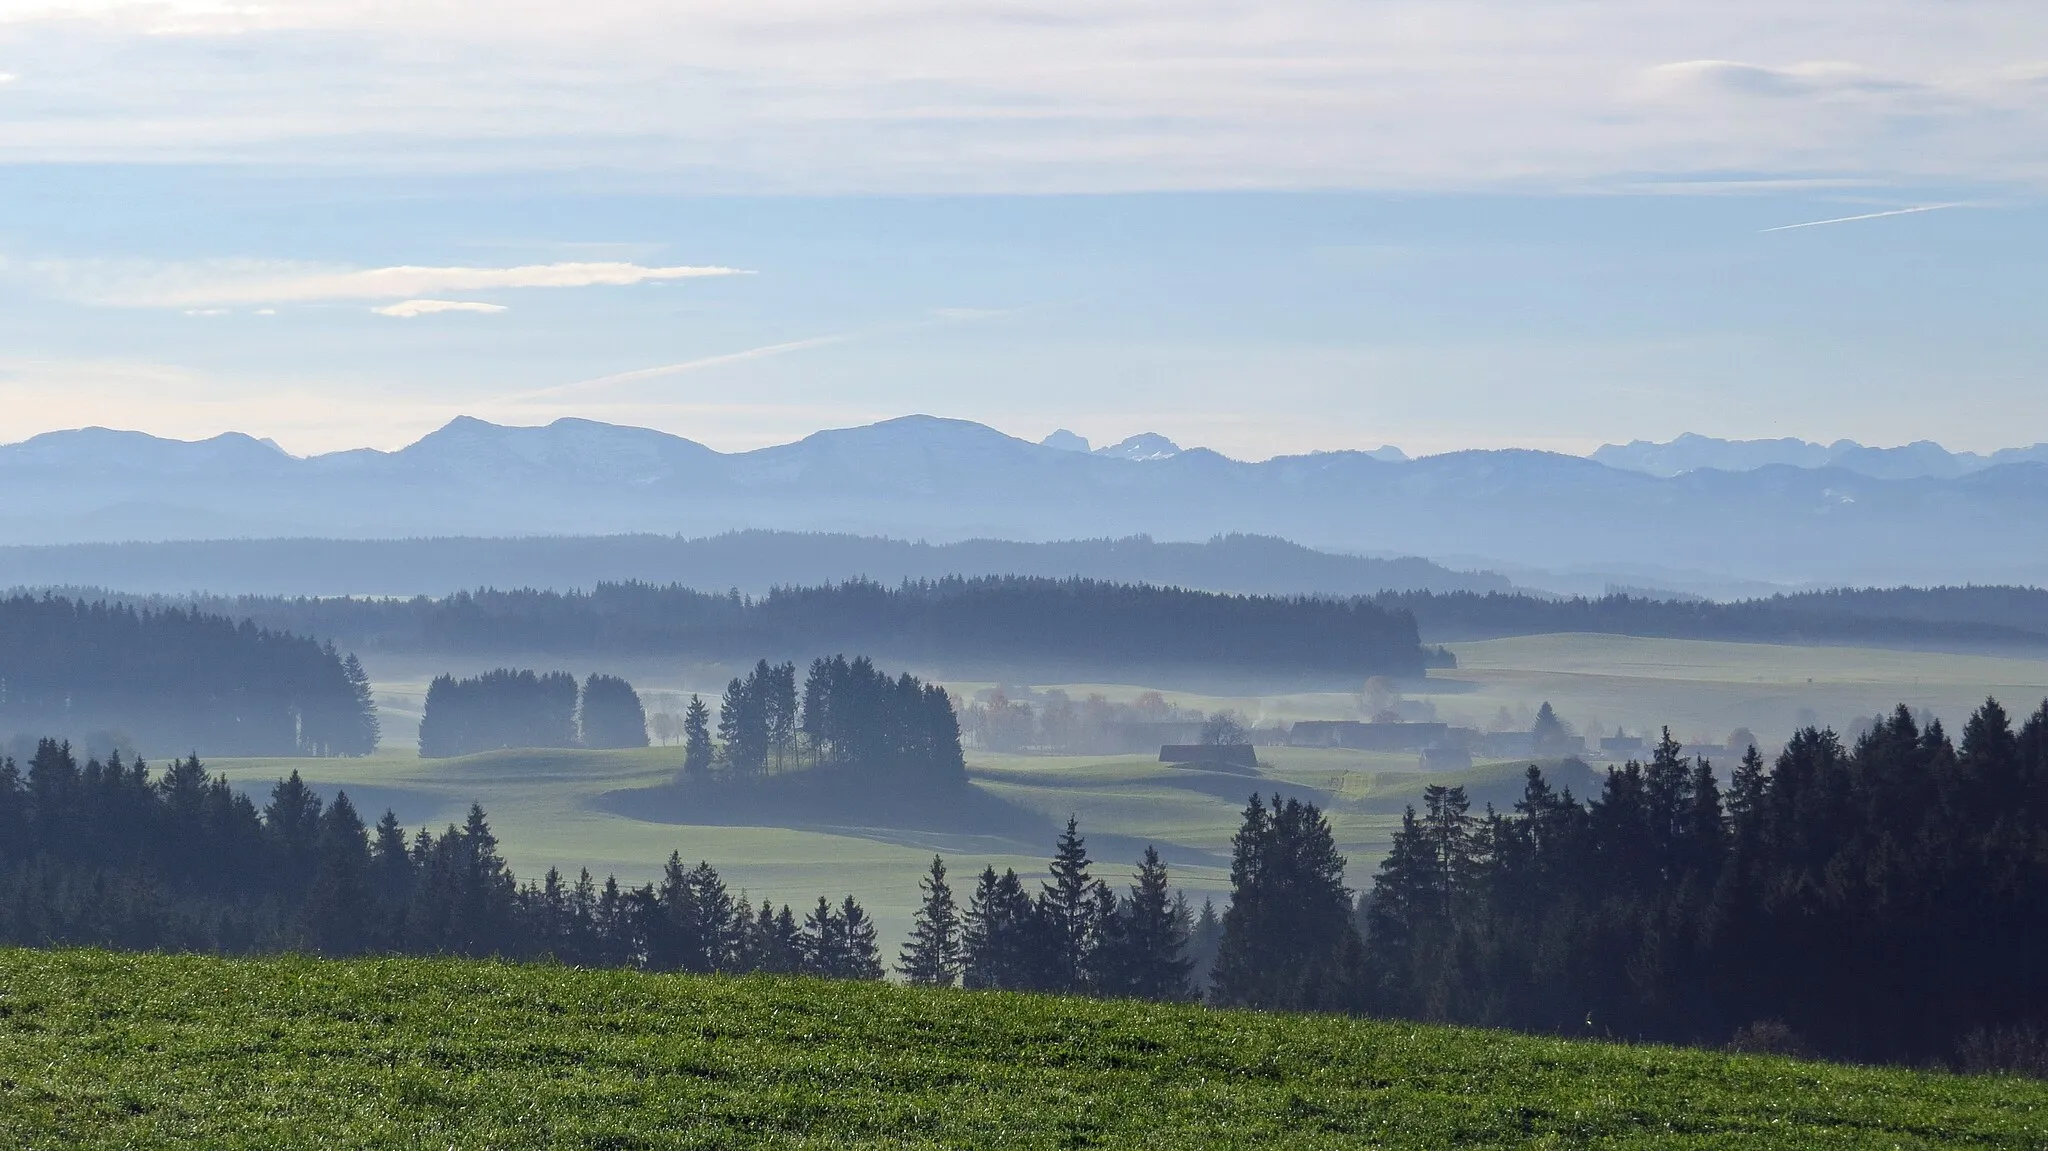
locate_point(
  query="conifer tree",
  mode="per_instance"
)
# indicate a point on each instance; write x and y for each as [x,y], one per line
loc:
[1153,937]
[824,942]
[364,729]
[862,957]
[1066,909]
[1003,940]
[697,749]
[931,958]
[1288,905]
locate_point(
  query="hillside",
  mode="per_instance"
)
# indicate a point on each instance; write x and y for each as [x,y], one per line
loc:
[104,1050]
[752,561]
[920,477]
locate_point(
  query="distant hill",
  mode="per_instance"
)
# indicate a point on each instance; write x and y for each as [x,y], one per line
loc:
[752,561]
[949,480]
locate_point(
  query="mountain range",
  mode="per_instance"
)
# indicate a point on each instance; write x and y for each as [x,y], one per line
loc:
[940,480]
[1920,459]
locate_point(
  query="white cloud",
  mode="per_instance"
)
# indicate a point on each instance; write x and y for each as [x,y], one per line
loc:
[215,282]
[410,308]
[1024,95]
[8,77]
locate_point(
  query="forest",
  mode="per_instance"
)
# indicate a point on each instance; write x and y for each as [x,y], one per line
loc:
[174,678]
[1880,902]
[1886,901]
[980,623]
[1966,619]
[113,855]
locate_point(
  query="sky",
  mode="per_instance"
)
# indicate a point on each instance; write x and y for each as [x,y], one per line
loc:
[1265,228]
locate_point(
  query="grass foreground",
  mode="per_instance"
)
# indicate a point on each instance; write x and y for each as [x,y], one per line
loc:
[124,1050]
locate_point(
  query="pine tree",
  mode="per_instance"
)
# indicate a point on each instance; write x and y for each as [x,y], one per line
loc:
[1288,905]
[364,729]
[862,958]
[1153,937]
[931,958]
[1003,939]
[824,943]
[335,915]
[696,738]
[1066,909]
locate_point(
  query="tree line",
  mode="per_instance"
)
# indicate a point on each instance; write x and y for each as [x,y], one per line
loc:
[1966,618]
[110,854]
[176,679]
[1885,901]
[1881,901]
[984,622]
[507,708]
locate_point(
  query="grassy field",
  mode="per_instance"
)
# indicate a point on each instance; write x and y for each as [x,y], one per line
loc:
[101,1051]
[546,805]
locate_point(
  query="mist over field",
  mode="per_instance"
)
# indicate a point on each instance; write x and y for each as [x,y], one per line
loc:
[810,573]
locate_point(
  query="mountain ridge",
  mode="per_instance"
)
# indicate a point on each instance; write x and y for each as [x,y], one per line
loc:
[941,480]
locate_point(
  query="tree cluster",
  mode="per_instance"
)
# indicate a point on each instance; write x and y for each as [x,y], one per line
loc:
[173,679]
[507,708]
[1886,901]
[1076,936]
[849,716]
[108,854]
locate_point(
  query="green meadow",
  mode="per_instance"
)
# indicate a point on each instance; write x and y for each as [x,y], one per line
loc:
[102,1050]
[550,808]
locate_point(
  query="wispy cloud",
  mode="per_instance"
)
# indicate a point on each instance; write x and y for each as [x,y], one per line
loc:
[407,309]
[1864,216]
[677,369]
[222,282]
[921,95]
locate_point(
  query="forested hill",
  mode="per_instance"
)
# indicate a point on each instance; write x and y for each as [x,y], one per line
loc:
[161,680]
[1970,619]
[984,624]
[753,561]
[2024,608]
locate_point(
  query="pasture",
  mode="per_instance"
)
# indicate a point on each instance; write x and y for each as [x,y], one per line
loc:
[140,1050]
[549,807]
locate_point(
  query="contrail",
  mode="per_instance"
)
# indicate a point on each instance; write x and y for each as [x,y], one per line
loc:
[1865,216]
[760,353]
[945,318]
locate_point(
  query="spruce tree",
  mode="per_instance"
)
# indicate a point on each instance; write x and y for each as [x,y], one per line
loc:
[363,729]
[1288,905]
[862,957]
[1153,937]
[824,943]
[1066,909]
[931,957]
[697,749]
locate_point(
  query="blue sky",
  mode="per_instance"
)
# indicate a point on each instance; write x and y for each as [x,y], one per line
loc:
[1265,229]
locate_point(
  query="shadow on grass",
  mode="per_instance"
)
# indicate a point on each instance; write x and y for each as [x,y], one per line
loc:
[952,818]
[832,801]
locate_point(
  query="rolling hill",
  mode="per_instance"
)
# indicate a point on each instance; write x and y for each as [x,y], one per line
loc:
[104,1050]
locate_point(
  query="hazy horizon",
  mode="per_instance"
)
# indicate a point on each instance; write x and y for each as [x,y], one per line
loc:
[1266,230]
